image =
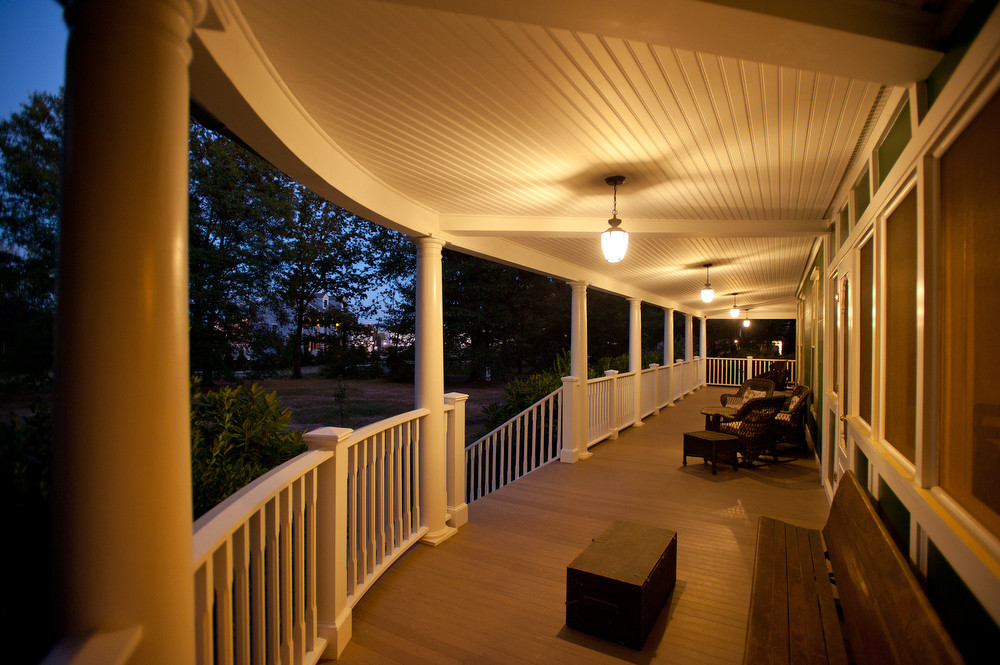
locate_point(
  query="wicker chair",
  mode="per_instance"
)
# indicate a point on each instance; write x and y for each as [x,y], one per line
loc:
[788,424]
[759,388]
[752,424]
[777,372]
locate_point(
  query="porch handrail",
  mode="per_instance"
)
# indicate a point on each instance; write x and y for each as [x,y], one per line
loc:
[526,442]
[352,501]
[734,371]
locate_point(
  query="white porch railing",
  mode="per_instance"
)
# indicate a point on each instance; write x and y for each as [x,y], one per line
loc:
[734,371]
[351,503]
[524,443]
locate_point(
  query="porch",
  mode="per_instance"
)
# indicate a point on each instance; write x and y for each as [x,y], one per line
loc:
[495,591]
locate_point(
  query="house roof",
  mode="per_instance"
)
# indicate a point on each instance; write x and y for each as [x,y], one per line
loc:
[494,125]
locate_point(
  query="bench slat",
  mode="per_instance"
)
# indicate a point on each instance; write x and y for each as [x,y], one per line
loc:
[835,651]
[811,646]
[889,618]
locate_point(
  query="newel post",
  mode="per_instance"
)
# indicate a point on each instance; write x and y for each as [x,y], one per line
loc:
[613,402]
[333,615]
[749,374]
[457,508]
[569,429]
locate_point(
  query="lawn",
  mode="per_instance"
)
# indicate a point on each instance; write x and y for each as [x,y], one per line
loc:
[313,401]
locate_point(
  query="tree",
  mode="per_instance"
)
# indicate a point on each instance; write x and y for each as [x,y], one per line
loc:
[322,255]
[239,207]
[30,153]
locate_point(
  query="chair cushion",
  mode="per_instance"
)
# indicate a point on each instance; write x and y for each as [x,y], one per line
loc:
[754,394]
[793,402]
[785,416]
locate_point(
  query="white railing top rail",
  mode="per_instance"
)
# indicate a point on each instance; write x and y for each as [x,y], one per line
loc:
[382,425]
[511,420]
[218,524]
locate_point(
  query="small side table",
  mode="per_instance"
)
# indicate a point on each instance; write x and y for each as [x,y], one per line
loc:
[711,446]
[716,414]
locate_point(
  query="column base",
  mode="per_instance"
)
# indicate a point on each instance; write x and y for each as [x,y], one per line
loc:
[336,635]
[437,537]
[458,515]
[638,423]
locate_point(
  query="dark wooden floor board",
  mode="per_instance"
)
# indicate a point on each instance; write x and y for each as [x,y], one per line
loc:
[495,592]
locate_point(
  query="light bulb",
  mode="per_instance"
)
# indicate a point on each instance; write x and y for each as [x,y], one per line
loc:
[734,312]
[707,294]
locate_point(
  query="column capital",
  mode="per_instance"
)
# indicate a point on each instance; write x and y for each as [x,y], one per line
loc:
[578,284]
[634,300]
[428,243]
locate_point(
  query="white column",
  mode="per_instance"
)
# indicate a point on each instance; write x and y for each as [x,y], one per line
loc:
[334,616]
[122,470]
[635,354]
[577,428]
[688,337]
[668,351]
[458,510]
[429,392]
[703,351]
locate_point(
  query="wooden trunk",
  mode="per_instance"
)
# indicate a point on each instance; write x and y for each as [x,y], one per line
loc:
[617,586]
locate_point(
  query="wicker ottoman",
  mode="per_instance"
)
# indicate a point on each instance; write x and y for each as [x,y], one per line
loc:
[711,446]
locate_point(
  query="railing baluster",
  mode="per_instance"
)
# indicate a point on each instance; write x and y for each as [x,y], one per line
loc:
[415,433]
[310,558]
[272,579]
[353,474]
[285,580]
[241,596]
[203,609]
[298,588]
[258,598]
[222,581]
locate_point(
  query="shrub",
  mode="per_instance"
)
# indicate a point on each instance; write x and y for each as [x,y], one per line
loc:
[237,435]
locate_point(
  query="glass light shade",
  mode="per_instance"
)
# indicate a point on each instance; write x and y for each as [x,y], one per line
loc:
[746,323]
[734,312]
[614,243]
[707,295]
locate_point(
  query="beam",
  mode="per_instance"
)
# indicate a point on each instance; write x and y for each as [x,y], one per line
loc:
[870,41]
[547,227]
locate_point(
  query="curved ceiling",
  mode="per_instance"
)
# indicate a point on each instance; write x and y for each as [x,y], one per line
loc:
[493,125]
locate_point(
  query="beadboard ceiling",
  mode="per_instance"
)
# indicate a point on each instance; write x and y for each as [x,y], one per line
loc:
[502,120]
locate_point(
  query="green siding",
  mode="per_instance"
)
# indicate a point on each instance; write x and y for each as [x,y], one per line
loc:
[974,631]
[895,515]
[956,46]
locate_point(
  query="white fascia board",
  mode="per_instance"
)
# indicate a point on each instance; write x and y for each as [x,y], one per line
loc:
[565,227]
[869,41]
[232,79]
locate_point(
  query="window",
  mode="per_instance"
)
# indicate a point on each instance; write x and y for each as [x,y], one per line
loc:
[862,194]
[969,452]
[901,327]
[894,143]
[866,321]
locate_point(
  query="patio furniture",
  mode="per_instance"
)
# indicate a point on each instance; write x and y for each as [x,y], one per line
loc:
[793,615]
[711,446]
[752,424]
[751,389]
[716,414]
[777,372]
[789,423]
[616,587]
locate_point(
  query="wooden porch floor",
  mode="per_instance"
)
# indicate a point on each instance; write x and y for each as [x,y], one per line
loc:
[495,592]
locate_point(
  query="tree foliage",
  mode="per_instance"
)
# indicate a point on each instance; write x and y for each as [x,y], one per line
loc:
[30,154]
[238,209]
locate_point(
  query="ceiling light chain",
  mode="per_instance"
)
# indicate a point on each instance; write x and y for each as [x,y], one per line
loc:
[614,241]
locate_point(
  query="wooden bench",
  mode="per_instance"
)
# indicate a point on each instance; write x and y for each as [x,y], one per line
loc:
[887,617]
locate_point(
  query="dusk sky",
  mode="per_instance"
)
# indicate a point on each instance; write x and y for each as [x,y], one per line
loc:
[32,50]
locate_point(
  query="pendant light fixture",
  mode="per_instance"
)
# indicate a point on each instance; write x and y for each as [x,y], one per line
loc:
[614,241]
[735,311]
[746,321]
[707,293]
